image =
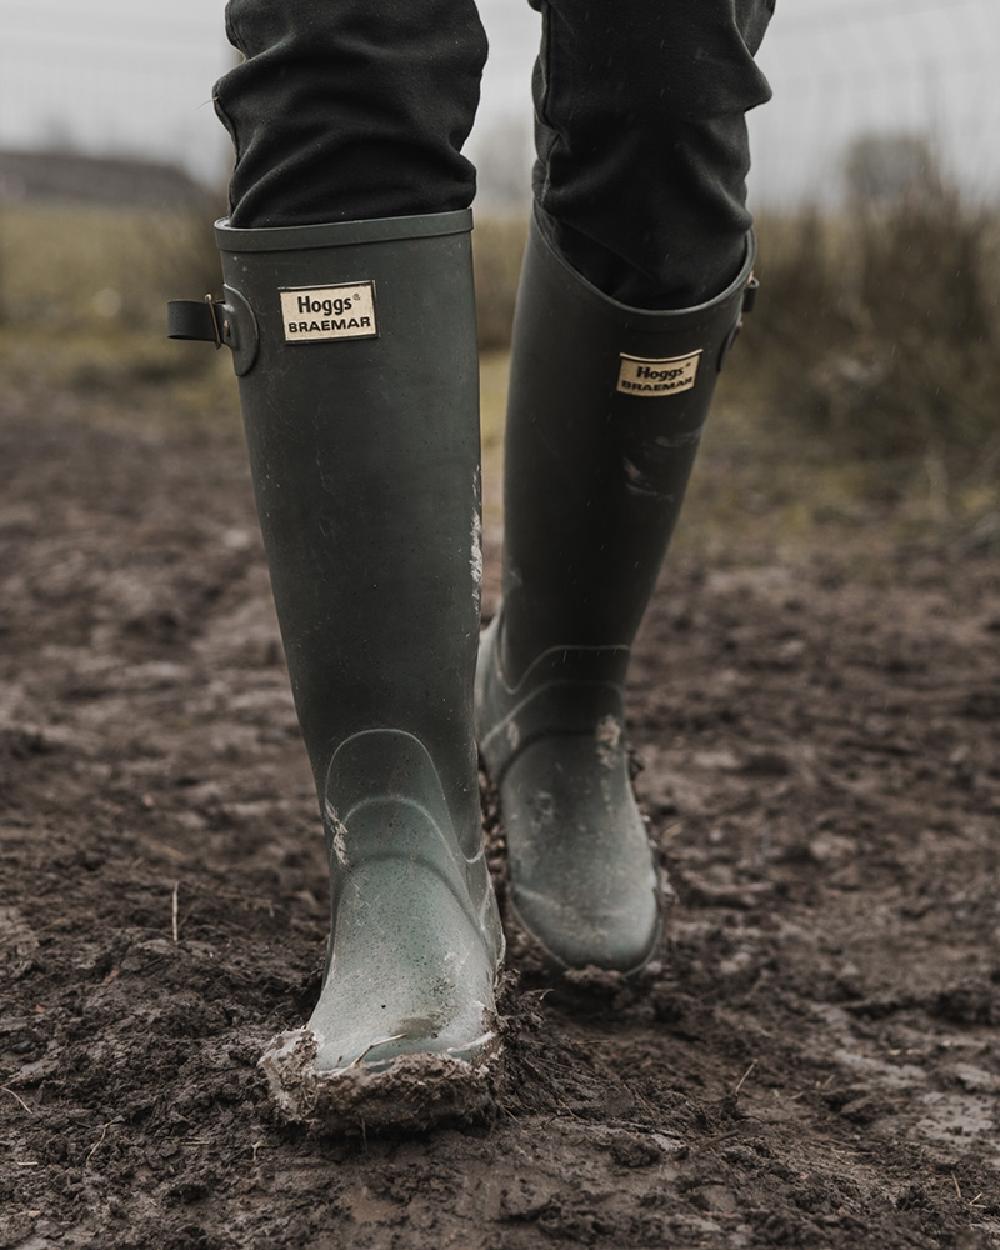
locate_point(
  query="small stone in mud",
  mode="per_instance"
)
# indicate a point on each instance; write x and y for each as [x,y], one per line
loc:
[968,1004]
[769,763]
[865,1110]
[21,743]
[630,1150]
[976,1080]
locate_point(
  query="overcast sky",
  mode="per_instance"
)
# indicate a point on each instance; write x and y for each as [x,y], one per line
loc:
[137,75]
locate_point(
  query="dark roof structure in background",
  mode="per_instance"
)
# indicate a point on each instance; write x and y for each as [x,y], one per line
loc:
[55,174]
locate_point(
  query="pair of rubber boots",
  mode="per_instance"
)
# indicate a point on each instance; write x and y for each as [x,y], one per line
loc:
[355,346]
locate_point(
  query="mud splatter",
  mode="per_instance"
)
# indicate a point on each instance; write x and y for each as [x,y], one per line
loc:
[608,736]
[338,834]
[476,558]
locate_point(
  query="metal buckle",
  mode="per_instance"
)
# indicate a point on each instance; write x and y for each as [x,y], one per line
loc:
[217,337]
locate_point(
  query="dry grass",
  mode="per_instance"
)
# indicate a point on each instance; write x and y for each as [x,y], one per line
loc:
[869,372]
[877,334]
[497,247]
[93,269]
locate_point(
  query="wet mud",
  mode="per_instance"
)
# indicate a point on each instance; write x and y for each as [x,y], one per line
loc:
[815,1061]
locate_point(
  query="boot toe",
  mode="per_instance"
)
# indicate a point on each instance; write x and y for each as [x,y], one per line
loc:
[582,878]
[618,939]
[410,975]
[377,1041]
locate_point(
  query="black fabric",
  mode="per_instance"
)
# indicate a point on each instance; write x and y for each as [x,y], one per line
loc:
[642,141]
[350,109]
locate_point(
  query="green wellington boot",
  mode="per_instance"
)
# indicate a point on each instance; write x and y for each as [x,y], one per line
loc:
[356,349]
[606,408]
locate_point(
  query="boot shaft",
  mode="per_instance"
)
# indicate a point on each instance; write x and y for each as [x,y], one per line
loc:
[607,405]
[361,417]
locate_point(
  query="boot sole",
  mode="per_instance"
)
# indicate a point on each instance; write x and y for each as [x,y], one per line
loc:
[412,1093]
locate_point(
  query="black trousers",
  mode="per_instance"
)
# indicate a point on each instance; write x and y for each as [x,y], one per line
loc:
[348,109]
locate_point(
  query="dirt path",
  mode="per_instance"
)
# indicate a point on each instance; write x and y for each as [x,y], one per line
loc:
[816,1064]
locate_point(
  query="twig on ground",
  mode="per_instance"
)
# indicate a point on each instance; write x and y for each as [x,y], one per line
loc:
[18,1098]
[94,1147]
[173,911]
[743,1079]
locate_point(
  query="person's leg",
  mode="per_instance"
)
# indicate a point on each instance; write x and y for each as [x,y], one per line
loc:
[642,141]
[349,304]
[634,281]
[346,111]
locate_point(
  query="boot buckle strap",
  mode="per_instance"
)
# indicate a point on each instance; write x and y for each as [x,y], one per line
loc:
[746,307]
[228,322]
[750,294]
[196,320]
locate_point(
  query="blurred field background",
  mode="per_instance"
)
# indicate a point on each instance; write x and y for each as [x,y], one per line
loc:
[864,392]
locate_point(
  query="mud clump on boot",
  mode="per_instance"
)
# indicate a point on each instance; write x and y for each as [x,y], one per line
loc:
[414,1092]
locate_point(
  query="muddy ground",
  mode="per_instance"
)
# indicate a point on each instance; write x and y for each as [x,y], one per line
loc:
[817,1062]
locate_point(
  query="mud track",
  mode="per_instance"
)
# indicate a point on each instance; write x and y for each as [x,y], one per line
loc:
[816,1063]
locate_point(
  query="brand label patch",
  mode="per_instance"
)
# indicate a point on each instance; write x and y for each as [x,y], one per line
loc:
[651,378]
[319,314]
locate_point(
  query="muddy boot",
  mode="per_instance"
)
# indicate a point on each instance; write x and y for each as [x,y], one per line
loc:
[355,345]
[607,404]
